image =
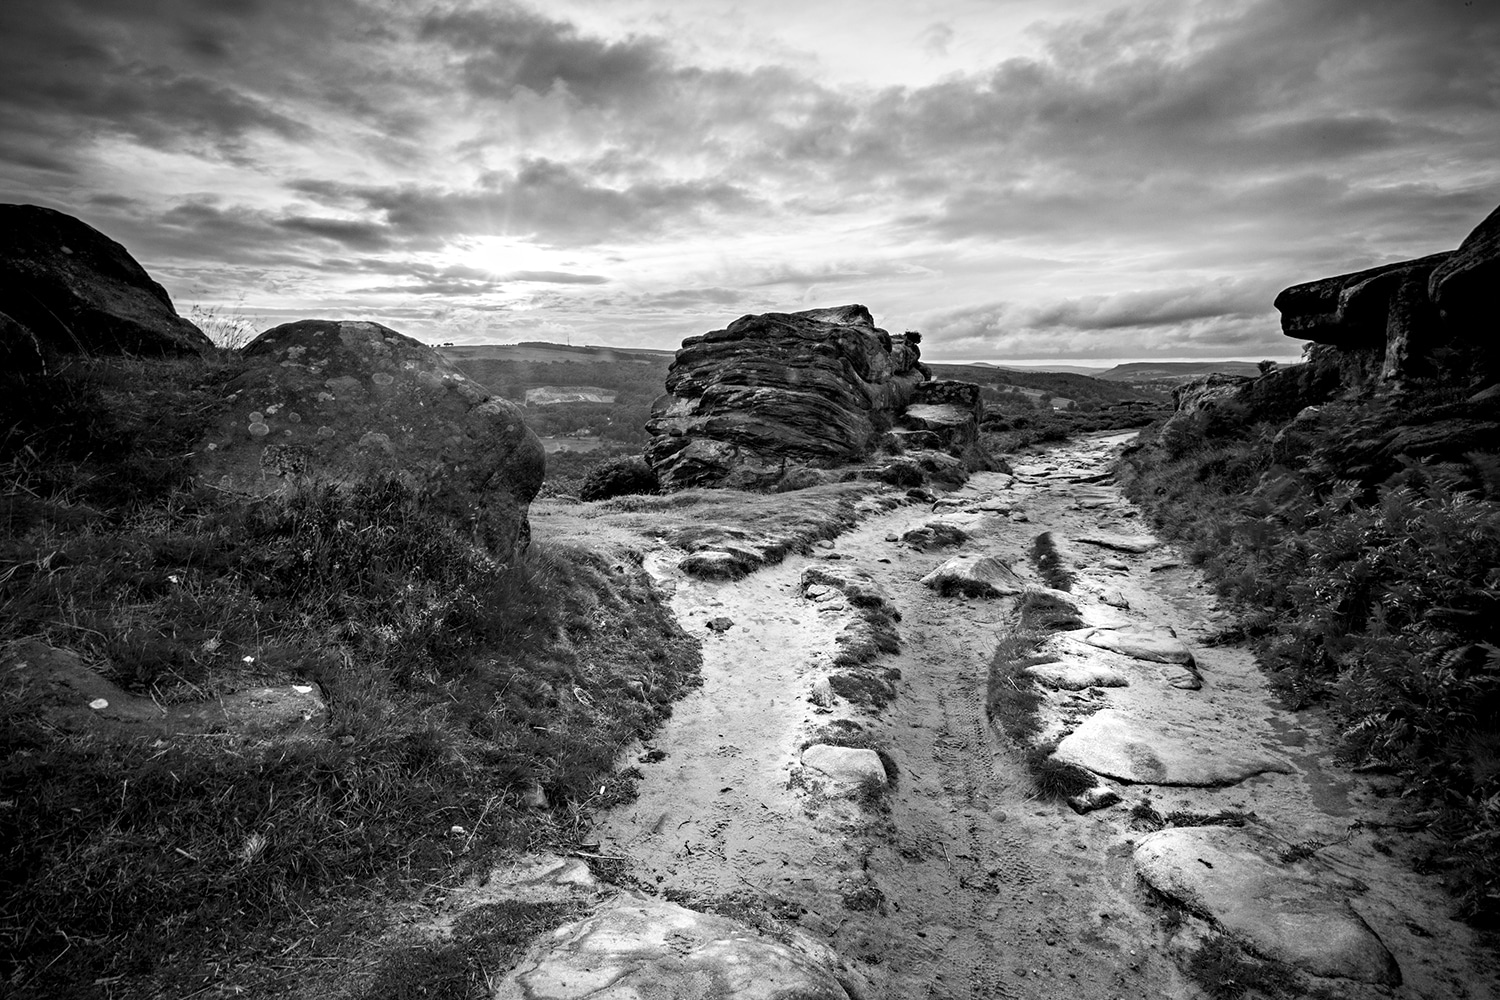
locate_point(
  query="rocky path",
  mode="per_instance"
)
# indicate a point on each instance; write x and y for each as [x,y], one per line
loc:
[955,880]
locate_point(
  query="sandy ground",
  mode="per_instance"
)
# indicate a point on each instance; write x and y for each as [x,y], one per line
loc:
[970,887]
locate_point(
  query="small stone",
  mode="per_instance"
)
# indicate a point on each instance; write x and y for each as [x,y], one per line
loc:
[720,624]
[1098,797]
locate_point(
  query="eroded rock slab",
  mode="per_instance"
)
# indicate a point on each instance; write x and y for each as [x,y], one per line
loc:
[1121,543]
[974,576]
[1157,752]
[633,948]
[844,768]
[1142,642]
[75,698]
[1075,675]
[1298,915]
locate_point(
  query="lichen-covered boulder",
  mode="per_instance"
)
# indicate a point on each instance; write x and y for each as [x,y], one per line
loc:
[80,292]
[768,393]
[340,400]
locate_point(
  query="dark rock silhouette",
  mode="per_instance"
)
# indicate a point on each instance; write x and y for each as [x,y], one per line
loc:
[1412,318]
[337,400]
[79,292]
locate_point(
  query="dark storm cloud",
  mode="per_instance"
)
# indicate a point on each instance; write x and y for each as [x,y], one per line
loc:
[552,202]
[509,48]
[1154,307]
[103,68]
[1110,123]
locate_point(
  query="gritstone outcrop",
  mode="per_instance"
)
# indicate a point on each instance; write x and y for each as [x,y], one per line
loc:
[781,393]
[74,290]
[342,400]
[1422,317]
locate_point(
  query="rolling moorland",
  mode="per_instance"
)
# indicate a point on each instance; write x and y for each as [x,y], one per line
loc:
[306,662]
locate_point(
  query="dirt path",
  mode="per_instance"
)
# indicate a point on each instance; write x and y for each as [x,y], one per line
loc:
[969,886]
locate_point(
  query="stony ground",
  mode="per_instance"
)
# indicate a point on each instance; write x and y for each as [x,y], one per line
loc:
[956,880]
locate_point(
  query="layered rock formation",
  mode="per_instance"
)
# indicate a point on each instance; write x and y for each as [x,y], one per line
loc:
[67,288]
[771,396]
[336,400]
[1411,318]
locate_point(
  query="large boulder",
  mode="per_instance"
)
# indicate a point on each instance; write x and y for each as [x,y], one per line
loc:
[340,400]
[634,947]
[942,414]
[772,392]
[79,292]
[1405,318]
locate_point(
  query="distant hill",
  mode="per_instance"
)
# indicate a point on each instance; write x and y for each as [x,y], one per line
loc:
[1176,371]
[1067,385]
[533,350]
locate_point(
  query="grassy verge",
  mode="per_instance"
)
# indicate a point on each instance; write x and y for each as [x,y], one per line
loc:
[1013,700]
[1360,543]
[461,691]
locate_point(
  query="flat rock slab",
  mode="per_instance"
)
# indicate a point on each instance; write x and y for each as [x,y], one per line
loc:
[846,768]
[1121,543]
[1298,916]
[1142,642]
[634,948]
[974,576]
[1075,675]
[75,698]
[1158,752]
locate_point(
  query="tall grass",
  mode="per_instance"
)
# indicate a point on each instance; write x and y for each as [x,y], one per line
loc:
[460,689]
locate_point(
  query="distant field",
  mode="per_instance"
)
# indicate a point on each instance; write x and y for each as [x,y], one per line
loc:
[537,351]
[1142,371]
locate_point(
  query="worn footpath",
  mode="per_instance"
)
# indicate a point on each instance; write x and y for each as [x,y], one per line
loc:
[932,868]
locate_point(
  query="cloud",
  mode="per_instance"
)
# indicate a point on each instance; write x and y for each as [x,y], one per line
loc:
[504,50]
[552,202]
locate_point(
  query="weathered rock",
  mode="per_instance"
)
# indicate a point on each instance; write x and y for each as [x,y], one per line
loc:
[1121,543]
[974,576]
[1142,642]
[814,387]
[935,535]
[857,586]
[1462,287]
[1157,752]
[949,411]
[341,400]
[1395,320]
[844,769]
[1075,675]
[633,948]
[1299,916]
[75,698]
[78,291]
[1098,797]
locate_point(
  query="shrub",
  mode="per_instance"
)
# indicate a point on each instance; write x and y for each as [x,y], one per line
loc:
[619,477]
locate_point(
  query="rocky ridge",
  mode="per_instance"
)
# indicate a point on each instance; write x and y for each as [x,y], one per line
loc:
[787,400]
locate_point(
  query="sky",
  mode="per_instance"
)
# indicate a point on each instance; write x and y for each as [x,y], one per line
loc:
[1063,180]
